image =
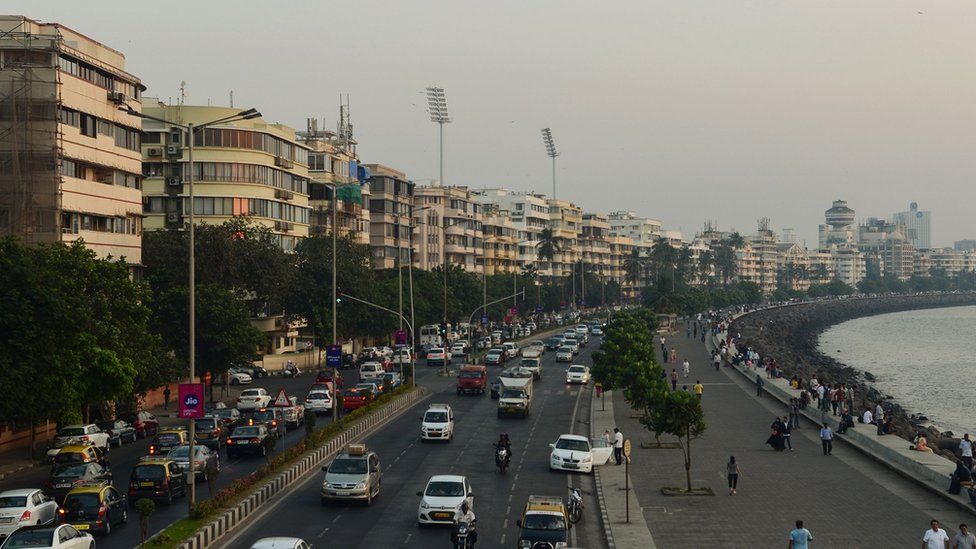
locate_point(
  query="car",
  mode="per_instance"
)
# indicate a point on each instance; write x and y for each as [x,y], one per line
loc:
[371,370]
[64,478]
[437,423]
[25,507]
[458,349]
[391,380]
[81,454]
[118,431]
[384,352]
[536,345]
[251,399]
[495,356]
[256,371]
[565,354]
[326,377]
[577,373]
[318,401]
[158,479]
[354,474]
[167,439]
[248,439]
[438,356]
[544,523]
[214,406]
[229,418]
[95,507]
[281,543]
[554,343]
[401,356]
[574,453]
[378,386]
[210,431]
[511,349]
[144,423]
[204,460]
[533,364]
[74,435]
[355,398]
[573,344]
[238,376]
[596,330]
[273,418]
[60,536]
[442,497]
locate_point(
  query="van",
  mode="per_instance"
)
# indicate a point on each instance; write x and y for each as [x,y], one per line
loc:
[371,370]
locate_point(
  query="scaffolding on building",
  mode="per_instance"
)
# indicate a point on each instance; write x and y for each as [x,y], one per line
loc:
[30,139]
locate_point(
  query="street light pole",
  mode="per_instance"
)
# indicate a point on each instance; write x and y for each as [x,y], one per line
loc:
[335,305]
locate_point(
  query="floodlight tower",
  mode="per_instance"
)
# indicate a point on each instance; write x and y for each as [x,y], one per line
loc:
[551,153]
[437,107]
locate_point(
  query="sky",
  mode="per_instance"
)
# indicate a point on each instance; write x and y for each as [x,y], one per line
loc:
[680,110]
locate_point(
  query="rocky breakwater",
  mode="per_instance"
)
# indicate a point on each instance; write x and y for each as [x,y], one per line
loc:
[790,333]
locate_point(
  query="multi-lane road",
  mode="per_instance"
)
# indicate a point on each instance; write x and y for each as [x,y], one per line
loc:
[391,521]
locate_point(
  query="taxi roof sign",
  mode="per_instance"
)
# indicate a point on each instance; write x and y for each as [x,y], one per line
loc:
[282,399]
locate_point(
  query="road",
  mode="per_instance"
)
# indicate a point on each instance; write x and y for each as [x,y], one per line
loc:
[124,459]
[407,465]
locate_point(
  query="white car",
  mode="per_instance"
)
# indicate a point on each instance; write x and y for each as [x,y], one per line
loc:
[402,356]
[536,346]
[370,370]
[511,349]
[597,331]
[281,543]
[82,435]
[573,344]
[458,349]
[442,499]
[564,354]
[26,507]
[318,401]
[385,352]
[239,377]
[438,356]
[574,453]
[63,536]
[577,373]
[437,423]
[252,399]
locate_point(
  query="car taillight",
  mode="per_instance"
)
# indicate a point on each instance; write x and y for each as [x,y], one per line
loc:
[165,484]
[102,511]
[152,449]
[274,423]
[60,513]
[230,441]
[84,438]
[25,516]
[250,422]
[256,440]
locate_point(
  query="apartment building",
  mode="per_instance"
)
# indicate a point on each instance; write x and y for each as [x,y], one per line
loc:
[501,242]
[245,168]
[950,261]
[643,231]
[566,221]
[529,213]
[621,248]
[447,227]
[764,245]
[336,181]
[595,245]
[390,215]
[887,245]
[70,163]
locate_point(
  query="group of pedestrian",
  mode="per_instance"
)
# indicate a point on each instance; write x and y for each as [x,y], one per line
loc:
[780,434]
[935,537]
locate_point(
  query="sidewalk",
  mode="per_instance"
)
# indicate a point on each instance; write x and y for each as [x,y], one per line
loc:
[610,482]
[847,500]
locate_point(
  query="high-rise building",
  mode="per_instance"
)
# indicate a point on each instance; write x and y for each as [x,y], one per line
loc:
[447,228]
[643,231]
[529,213]
[501,241]
[968,245]
[246,168]
[70,163]
[840,228]
[886,245]
[390,215]
[918,226]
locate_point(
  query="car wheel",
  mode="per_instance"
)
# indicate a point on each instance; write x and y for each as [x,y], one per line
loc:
[169,498]
[264,451]
[125,516]
[108,527]
[235,381]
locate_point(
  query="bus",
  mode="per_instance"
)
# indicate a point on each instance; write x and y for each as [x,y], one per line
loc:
[430,336]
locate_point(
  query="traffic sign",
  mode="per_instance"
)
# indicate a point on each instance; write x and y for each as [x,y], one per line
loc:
[538,308]
[333,356]
[484,319]
[627,448]
[282,399]
[191,400]
[401,337]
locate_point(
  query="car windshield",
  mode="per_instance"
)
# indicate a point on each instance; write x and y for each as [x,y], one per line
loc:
[72,431]
[69,457]
[470,375]
[353,393]
[149,472]
[180,452]
[535,521]
[106,425]
[7,502]
[250,393]
[435,417]
[348,466]
[226,413]
[445,489]
[81,501]
[571,444]
[577,369]
[565,349]
[495,352]
[263,415]
[31,538]
[512,393]
[247,431]
[205,424]
[69,471]
[168,438]
[435,351]
[318,396]
[530,362]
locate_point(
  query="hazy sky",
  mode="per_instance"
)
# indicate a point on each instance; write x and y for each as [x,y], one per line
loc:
[683,110]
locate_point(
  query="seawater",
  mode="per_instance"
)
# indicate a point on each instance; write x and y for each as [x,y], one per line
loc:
[924,359]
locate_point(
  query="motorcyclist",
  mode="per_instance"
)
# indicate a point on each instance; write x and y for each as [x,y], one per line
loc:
[503,442]
[466,515]
[291,369]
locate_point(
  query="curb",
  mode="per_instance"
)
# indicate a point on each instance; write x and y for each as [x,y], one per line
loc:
[604,517]
[226,522]
[18,470]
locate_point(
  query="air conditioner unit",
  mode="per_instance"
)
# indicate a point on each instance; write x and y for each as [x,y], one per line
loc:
[173,217]
[116,97]
[174,181]
[173,150]
[283,226]
[284,162]
[283,194]
[155,151]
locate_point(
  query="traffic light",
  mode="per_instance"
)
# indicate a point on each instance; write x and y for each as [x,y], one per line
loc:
[338,295]
[443,329]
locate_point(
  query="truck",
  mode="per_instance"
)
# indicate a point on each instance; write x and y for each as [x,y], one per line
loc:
[534,364]
[472,378]
[515,396]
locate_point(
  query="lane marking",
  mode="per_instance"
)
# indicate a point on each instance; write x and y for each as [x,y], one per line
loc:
[322,533]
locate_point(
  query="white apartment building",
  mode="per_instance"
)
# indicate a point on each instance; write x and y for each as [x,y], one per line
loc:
[447,227]
[643,231]
[529,214]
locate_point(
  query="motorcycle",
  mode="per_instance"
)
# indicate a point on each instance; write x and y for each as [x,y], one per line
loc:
[575,505]
[463,535]
[291,371]
[501,458]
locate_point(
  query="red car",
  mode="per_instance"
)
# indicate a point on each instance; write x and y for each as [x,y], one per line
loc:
[353,399]
[144,423]
[325,377]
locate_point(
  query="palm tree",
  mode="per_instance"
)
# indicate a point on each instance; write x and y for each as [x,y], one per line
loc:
[634,270]
[547,247]
[531,272]
[682,263]
[820,272]
[705,262]
[725,262]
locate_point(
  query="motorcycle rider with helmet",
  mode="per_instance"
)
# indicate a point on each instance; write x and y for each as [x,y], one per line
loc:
[503,442]
[466,515]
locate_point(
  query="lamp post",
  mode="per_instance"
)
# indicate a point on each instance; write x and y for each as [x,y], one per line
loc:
[413,340]
[189,130]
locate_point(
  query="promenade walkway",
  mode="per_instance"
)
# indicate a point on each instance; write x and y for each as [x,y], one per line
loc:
[847,500]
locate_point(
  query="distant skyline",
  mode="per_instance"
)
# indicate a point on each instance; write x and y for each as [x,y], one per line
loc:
[682,111]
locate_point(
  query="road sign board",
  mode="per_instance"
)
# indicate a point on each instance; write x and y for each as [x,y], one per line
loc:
[538,308]
[401,337]
[627,448]
[282,399]
[484,319]
[333,356]
[191,400]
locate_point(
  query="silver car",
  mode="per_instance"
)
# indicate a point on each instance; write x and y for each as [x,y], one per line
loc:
[354,474]
[26,507]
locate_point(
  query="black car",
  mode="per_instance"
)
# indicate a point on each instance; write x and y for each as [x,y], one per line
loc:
[210,432]
[65,477]
[272,418]
[254,370]
[157,479]
[554,343]
[248,439]
[119,431]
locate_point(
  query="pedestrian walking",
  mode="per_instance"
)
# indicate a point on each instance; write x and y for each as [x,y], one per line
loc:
[699,389]
[966,450]
[785,426]
[688,332]
[618,445]
[664,349]
[827,439]
[800,537]
[964,539]
[734,472]
[686,366]
[674,379]
[794,414]
[935,537]
[717,360]
[759,385]
[674,355]
[166,395]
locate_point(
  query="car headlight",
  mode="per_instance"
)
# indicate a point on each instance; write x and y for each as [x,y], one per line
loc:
[526,544]
[587,459]
[561,545]
[554,457]
[361,485]
[423,505]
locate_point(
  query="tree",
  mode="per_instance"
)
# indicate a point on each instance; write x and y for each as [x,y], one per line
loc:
[678,413]
[706,262]
[634,270]
[547,247]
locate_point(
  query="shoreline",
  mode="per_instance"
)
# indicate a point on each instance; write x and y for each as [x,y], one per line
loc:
[791,334]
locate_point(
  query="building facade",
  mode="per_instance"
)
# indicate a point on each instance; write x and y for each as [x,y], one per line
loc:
[70,163]
[529,214]
[390,215]
[918,226]
[447,228]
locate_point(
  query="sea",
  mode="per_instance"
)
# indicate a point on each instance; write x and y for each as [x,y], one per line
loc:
[924,359]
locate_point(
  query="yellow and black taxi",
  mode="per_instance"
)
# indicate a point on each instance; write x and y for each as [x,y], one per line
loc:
[81,454]
[544,523]
[167,439]
[64,478]
[157,478]
[93,507]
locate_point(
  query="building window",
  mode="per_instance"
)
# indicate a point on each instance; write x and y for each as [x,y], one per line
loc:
[88,125]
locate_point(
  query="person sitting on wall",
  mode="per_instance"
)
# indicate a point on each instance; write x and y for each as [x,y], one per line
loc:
[921,444]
